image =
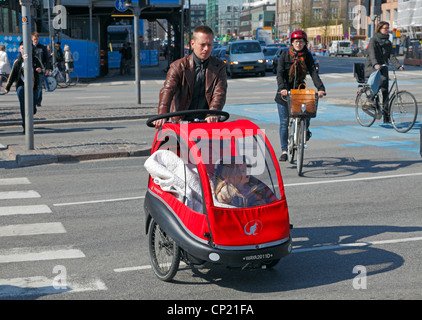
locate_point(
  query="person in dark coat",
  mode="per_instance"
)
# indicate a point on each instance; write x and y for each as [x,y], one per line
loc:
[291,72]
[17,75]
[41,54]
[380,51]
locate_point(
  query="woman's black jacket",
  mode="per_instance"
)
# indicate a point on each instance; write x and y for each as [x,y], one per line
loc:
[283,68]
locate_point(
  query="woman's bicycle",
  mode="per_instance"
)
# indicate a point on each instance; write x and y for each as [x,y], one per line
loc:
[65,78]
[298,124]
[402,106]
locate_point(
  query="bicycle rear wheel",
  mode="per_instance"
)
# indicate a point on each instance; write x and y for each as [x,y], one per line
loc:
[301,127]
[365,113]
[403,112]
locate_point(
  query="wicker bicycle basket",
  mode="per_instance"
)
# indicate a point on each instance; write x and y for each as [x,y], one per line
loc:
[302,97]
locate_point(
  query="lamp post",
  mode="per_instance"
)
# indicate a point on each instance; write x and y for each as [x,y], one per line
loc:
[27,56]
[136,9]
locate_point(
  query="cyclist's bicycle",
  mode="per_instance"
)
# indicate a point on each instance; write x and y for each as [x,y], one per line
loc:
[65,78]
[298,129]
[60,77]
[402,106]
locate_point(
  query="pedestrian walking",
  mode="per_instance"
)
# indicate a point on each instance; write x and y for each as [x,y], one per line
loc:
[58,56]
[41,53]
[197,81]
[125,58]
[69,62]
[4,63]
[17,75]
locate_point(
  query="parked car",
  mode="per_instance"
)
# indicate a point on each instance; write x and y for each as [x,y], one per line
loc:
[245,57]
[343,48]
[278,45]
[269,53]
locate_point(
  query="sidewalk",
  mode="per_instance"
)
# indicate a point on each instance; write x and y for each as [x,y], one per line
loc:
[46,152]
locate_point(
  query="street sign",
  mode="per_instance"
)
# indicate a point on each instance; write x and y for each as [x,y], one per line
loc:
[120,5]
[346,35]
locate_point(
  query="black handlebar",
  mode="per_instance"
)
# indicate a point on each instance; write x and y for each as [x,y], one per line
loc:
[223,115]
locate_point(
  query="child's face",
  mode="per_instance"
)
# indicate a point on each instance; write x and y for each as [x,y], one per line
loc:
[242,176]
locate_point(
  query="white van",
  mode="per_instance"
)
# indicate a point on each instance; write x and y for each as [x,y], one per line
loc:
[341,47]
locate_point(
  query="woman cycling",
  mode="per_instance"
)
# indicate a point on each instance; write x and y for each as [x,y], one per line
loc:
[292,68]
[380,50]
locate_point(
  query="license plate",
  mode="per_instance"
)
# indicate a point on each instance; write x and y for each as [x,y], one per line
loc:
[248,68]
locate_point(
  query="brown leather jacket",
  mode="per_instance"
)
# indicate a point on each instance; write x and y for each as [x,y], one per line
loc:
[176,95]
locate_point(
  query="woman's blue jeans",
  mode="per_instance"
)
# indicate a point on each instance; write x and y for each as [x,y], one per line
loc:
[283,114]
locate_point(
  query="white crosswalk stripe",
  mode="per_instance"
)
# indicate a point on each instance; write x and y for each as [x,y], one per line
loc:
[39,286]
[17,210]
[39,254]
[31,229]
[7,195]
[34,285]
[13,181]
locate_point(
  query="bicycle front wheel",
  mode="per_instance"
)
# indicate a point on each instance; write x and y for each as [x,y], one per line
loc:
[403,112]
[291,141]
[164,253]
[73,78]
[301,127]
[365,112]
[52,83]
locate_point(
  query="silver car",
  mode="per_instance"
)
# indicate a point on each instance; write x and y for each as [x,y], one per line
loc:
[245,57]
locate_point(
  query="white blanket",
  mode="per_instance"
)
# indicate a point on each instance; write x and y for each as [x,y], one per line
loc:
[169,172]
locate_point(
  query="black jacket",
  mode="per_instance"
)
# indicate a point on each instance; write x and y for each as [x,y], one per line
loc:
[283,68]
[379,52]
[17,72]
[41,53]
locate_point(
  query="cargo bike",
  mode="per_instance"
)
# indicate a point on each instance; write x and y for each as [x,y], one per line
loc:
[188,216]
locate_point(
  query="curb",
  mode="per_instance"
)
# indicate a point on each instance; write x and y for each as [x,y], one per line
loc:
[40,159]
[93,119]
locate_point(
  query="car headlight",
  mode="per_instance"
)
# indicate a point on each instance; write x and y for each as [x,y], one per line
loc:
[234,62]
[261,61]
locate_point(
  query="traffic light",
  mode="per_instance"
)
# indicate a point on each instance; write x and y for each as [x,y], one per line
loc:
[367,5]
[4,3]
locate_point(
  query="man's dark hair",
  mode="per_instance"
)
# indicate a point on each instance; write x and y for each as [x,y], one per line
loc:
[203,29]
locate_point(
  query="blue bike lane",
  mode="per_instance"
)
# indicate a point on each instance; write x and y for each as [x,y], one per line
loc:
[336,122]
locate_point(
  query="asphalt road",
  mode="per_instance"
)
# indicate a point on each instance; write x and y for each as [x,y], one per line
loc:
[79,230]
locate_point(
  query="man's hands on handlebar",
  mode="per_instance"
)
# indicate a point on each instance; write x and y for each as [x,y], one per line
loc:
[160,122]
[320,93]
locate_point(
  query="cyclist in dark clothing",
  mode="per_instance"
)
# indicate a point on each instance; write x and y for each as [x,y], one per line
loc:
[291,72]
[380,51]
